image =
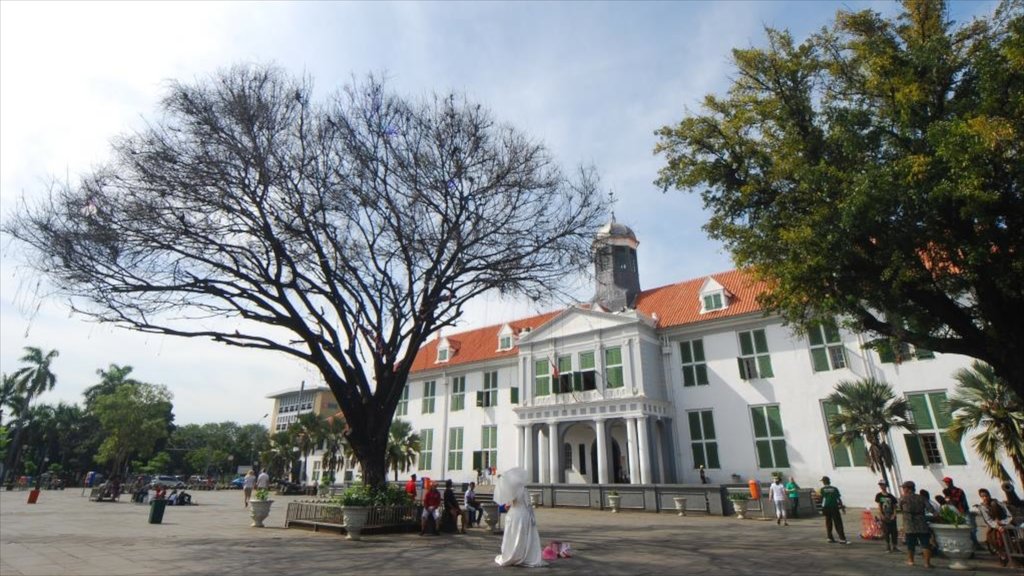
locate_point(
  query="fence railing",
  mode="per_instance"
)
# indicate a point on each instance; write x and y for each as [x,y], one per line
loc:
[331,514]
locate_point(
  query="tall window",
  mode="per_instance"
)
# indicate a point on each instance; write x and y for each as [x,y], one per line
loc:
[930,413]
[513,395]
[695,370]
[702,439]
[489,445]
[567,456]
[455,449]
[888,353]
[587,376]
[564,382]
[769,438]
[542,378]
[489,395]
[426,460]
[458,393]
[429,389]
[827,350]
[754,360]
[316,471]
[613,367]
[403,404]
[843,455]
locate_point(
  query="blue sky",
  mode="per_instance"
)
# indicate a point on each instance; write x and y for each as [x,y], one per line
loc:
[591,80]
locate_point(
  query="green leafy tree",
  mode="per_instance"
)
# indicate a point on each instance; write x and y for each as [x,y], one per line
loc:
[873,172]
[403,447]
[984,402]
[37,377]
[133,419]
[867,410]
[343,233]
[337,452]
[110,380]
[307,432]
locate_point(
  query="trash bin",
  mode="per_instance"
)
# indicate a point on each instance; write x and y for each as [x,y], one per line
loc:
[33,496]
[156,511]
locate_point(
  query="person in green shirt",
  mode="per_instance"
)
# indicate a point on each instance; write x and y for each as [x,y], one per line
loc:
[831,505]
[793,491]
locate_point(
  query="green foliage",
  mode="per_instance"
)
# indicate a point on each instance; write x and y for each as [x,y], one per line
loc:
[133,419]
[160,462]
[739,496]
[873,172]
[403,447]
[867,410]
[949,515]
[365,495]
[262,494]
[30,467]
[37,377]
[984,402]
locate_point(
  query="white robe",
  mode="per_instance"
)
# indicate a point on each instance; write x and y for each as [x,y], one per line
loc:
[520,546]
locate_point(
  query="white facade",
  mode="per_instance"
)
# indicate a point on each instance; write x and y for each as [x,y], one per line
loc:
[647,427]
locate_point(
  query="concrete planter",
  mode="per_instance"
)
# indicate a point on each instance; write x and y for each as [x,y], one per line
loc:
[740,506]
[258,511]
[355,520]
[955,543]
[534,499]
[680,503]
[491,516]
[613,502]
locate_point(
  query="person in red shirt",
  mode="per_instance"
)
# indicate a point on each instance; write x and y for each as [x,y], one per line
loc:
[410,487]
[431,508]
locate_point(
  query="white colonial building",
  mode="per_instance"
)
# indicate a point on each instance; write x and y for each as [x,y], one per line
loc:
[644,386]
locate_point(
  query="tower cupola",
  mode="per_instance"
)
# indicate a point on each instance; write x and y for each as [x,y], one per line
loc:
[615,266]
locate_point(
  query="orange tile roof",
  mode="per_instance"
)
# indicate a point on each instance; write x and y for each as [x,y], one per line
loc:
[674,305]
[679,304]
[476,345]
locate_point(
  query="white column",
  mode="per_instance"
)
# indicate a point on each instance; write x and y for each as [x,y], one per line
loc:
[553,451]
[543,459]
[602,451]
[634,469]
[520,461]
[531,471]
[659,450]
[645,451]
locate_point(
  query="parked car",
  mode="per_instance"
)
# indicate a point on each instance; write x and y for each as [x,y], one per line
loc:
[168,481]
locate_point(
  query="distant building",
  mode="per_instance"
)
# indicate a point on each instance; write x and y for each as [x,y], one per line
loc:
[289,404]
[645,386]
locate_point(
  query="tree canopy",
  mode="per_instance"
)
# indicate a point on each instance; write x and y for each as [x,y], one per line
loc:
[133,419]
[874,172]
[344,233]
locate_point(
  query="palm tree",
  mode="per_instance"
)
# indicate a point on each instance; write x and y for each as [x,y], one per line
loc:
[36,378]
[337,450]
[868,410]
[307,431]
[110,380]
[985,402]
[403,447]
[11,398]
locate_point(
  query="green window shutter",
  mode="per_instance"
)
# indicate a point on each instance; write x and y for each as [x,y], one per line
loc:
[746,344]
[814,335]
[954,453]
[760,424]
[689,376]
[477,460]
[709,425]
[774,420]
[743,369]
[781,456]
[840,455]
[712,450]
[764,366]
[919,409]
[702,374]
[830,411]
[615,377]
[479,398]
[940,407]
[760,342]
[686,352]
[698,350]
[914,449]
[541,367]
[860,452]
[613,356]
[515,395]
[698,455]
[586,360]
[764,454]
[577,381]
[565,364]
[885,352]
[819,356]
[695,427]
[832,333]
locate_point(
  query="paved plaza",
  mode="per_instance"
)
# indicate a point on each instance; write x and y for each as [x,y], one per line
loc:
[66,534]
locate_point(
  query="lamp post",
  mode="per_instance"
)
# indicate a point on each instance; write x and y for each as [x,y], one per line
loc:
[255,435]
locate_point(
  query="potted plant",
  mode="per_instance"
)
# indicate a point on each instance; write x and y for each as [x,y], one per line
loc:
[356,502]
[259,507]
[953,536]
[613,500]
[680,502]
[491,516]
[739,503]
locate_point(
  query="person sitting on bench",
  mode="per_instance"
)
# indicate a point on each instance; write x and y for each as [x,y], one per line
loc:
[473,508]
[451,506]
[431,510]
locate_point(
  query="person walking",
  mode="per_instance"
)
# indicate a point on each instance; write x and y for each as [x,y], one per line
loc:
[779,497]
[831,506]
[263,481]
[887,515]
[247,485]
[915,527]
[793,491]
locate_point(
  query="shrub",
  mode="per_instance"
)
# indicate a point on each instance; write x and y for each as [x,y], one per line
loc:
[363,495]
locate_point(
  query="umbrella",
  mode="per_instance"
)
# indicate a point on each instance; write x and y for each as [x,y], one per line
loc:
[510,484]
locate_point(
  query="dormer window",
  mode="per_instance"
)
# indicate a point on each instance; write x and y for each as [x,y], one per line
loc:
[713,296]
[444,350]
[505,338]
[442,354]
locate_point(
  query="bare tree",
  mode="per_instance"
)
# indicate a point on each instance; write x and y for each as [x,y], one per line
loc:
[343,233]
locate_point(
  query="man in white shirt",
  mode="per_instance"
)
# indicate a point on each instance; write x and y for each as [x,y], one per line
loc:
[263,482]
[777,494]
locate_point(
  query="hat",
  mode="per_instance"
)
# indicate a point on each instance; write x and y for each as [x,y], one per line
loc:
[909,484]
[825,479]
[883,483]
[947,480]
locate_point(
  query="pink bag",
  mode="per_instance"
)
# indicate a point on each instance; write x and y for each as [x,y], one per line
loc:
[549,552]
[556,549]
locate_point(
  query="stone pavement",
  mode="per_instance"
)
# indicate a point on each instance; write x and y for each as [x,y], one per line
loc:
[66,534]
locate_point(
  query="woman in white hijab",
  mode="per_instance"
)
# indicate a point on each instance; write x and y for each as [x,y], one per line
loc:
[521,544]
